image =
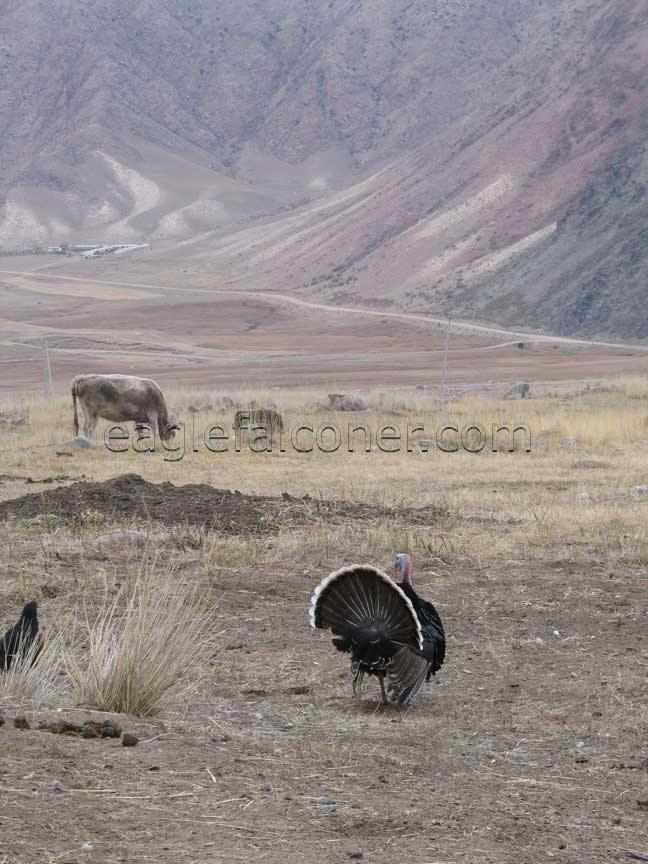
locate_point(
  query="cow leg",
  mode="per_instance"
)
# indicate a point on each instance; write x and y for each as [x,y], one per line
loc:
[89,422]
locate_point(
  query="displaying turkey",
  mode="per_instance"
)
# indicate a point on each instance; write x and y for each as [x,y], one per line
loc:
[387,628]
[23,639]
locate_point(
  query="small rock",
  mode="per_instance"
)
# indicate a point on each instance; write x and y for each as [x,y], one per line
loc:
[129,740]
[288,726]
[356,856]
[267,787]
[326,801]
[22,723]
[91,729]
[123,538]
[108,729]
[556,632]
[87,847]
[569,441]
[277,752]
[79,443]
[56,786]
[641,490]
[590,463]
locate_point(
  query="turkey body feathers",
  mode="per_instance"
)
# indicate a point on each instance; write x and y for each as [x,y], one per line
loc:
[18,640]
[374,619]
[434,646]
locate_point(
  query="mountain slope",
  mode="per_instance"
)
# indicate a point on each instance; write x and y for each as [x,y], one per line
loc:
[466,158]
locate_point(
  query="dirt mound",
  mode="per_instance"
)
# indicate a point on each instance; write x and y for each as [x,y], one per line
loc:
[129,497]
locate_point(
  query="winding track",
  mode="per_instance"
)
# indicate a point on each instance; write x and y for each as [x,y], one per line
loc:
[417,318]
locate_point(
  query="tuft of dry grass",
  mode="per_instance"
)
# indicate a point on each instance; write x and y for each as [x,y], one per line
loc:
[34,678]
[143,643]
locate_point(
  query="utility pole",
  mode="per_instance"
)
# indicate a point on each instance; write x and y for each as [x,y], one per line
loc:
[444,371]
[47,370]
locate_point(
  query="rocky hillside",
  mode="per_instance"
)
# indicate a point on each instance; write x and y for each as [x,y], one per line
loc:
[477,159]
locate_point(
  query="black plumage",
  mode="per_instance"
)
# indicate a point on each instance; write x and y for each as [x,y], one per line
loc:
[19,640]
[387,628]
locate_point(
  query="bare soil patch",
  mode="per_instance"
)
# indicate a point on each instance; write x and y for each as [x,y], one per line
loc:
[130,497]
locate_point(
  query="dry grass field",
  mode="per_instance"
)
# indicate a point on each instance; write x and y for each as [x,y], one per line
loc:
[530,745]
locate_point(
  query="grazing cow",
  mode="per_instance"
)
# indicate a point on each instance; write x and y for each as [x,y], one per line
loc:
[120,398]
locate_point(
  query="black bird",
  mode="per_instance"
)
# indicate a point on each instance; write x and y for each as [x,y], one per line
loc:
[388,629]
[19,639]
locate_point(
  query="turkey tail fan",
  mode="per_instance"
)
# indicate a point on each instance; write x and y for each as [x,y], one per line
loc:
[406,674]
[361,599]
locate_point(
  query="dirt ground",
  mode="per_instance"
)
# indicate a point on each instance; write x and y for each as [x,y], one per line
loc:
[198,334]
[529,745]
[130,497]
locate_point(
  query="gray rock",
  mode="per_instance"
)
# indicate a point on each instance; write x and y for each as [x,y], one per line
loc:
[123,538]
[569,441]
[80,442]
[326,801]
[590,463]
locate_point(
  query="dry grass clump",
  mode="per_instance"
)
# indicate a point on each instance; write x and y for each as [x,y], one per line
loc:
[141,645]
[34,678]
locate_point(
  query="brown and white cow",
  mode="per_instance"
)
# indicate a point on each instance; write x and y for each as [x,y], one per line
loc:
[120,398]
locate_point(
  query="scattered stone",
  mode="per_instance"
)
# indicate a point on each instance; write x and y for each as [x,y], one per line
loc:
[60,727]
[326,801]
[521,390]
[16,420]
[22,723]
[108,729]
[91,729]
[57,786]
[590,463]
[641,490]
[120,537]
[87,847]
[342,402]
[287,727]
[356,856]
[277,752]
[267,787]
[426,444]
[129,740]
[79,443]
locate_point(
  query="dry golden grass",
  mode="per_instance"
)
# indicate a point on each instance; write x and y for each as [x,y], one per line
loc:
[143,642]
[550,499]
[34,679]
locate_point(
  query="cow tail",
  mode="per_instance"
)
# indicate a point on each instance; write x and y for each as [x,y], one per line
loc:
[74,403]
[164,421]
